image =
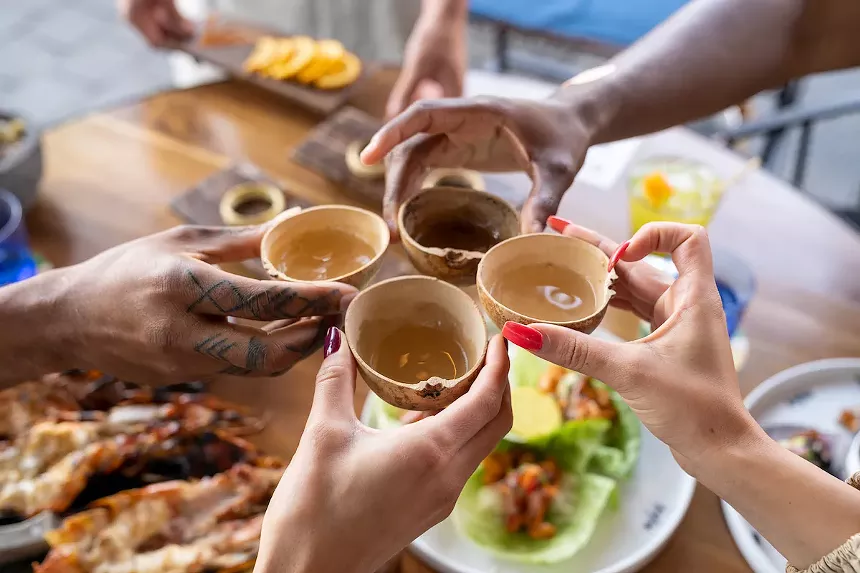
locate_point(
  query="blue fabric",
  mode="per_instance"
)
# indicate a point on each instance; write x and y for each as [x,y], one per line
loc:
[620,22]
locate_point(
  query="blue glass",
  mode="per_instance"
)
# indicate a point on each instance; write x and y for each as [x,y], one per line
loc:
[16,259]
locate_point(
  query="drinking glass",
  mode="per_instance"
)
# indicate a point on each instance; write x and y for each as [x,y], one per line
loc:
[16,259]
[691,191]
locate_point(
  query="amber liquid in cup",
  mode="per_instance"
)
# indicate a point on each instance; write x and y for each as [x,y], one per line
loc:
[324,254]
[413,353]
[456,234]
[545,292]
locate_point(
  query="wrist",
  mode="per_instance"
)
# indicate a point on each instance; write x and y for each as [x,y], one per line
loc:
[35,334]
[593,100]
[726,452]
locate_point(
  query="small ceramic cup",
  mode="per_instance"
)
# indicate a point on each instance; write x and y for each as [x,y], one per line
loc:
[368,226]
[470,215]
[575,254]
[383,308]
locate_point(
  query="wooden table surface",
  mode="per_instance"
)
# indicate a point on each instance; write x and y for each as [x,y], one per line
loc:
[111,176]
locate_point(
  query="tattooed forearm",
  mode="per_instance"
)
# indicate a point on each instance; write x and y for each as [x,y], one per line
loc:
[225,297]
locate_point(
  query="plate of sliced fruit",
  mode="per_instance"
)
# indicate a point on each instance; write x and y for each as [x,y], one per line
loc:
[578,485]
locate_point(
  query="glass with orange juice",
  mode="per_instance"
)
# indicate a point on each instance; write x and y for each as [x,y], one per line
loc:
[673,189]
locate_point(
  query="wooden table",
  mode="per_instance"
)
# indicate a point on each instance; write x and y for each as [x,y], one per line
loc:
[111,176]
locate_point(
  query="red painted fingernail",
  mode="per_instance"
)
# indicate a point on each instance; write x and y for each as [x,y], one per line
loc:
[523,336]
[616,256]
[557,224]
[332,342]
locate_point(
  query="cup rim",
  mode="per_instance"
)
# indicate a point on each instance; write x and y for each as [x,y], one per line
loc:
[16,214]
[418,385]
[611,277]
[379,220]
[445,189]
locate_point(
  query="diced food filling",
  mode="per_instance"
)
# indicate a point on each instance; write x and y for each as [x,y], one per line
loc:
[528,485]
[811,446]
[577,395]
[850,420]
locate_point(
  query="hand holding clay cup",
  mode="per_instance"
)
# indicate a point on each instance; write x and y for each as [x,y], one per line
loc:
[680,374]
[546,278]
[353,497]
[327,243]
[447,230]
[419,342]
[545,138]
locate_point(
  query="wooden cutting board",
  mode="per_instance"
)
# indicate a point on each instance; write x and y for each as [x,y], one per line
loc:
[238,39]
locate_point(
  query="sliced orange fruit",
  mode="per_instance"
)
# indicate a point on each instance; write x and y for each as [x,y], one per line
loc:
[342,74]
[329,54]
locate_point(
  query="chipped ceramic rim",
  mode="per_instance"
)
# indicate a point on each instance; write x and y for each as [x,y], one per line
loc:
[433,380]
[611,277]
[445,190]
[275,273]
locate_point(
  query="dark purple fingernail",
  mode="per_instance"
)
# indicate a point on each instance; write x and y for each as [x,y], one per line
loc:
[332,341]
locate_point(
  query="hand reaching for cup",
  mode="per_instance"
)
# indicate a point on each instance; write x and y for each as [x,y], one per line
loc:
[546,138]
[352,496]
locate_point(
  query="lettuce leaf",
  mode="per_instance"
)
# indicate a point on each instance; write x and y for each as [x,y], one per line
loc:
[575,512]
[618,455]
[383,415]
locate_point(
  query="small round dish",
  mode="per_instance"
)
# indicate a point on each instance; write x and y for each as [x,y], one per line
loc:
[652,504]
[250,192]
[447,230]
[361,223]
[544,248]
[352,156]
[454,177]
[811,395]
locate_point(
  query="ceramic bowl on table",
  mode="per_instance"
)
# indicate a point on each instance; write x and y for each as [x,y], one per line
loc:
[808,396]
[652,502]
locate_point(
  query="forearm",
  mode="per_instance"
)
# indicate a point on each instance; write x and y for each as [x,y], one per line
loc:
[31,328]
[803,511]
[713,54]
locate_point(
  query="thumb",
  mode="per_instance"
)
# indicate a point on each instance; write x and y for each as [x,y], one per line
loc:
[216,245]
[551,179]
[334,390]
[574,350]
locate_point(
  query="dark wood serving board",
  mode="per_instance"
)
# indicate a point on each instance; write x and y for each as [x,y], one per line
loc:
[231,57]
[324,151]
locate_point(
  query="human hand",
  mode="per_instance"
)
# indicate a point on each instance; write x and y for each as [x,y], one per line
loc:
[352,497]
[544,138]
[157,20]
[156,309]
[434,62]
[680,380]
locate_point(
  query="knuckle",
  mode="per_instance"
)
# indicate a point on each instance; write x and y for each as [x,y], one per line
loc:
[330,373]
[561,168]
[493,104]
[573,352]
[329,436]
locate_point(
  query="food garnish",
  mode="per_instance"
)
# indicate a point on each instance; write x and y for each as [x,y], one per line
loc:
[324,64]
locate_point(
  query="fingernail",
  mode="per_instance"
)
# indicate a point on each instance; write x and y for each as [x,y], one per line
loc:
[557,224]
[346,299]
[616,256]
[332,342]
[523,336]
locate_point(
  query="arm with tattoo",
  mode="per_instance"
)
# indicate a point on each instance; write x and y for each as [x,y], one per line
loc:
[156,309]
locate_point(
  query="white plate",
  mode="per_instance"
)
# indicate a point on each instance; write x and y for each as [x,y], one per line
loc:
[811,395]
[653,502]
